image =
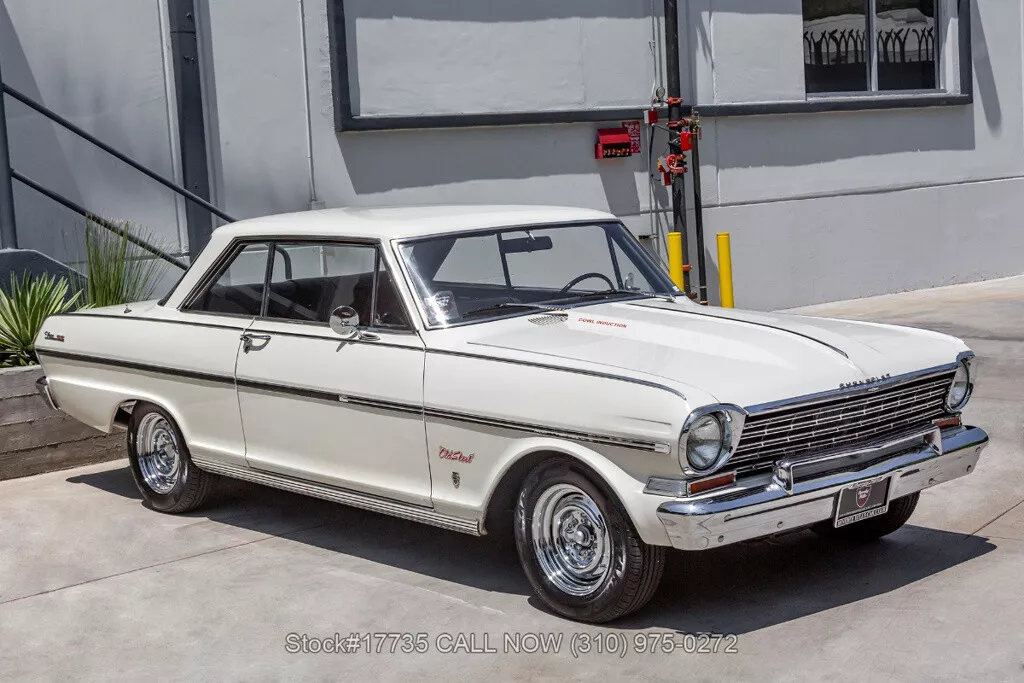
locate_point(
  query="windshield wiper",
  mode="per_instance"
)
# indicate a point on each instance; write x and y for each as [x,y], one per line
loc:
[506,306]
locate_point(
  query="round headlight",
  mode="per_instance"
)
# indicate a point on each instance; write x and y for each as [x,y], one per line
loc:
[704,442]
[960,390]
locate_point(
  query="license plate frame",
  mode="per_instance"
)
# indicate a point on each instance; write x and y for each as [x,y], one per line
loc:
[875,494]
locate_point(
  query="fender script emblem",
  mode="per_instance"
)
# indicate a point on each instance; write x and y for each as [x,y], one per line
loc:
[446,454]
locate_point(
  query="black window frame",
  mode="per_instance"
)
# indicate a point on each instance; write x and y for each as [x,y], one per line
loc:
[873,58]
[232,251]
[871,101]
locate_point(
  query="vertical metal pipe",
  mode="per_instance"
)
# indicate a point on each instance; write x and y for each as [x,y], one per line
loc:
[673,82]
[310,169]
[698,224]
[191,121]
[8,229]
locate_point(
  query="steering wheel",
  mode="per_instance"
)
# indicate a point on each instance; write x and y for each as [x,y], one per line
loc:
[586,276]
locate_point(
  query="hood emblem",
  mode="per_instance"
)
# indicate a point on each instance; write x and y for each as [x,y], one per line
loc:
[865,382]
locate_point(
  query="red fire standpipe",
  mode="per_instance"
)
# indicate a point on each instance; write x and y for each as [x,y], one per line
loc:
[675,113]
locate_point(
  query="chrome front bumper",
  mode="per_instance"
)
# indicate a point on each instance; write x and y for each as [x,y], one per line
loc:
[764,507]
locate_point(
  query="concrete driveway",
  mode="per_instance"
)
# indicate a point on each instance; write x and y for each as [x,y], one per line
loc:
[95,586]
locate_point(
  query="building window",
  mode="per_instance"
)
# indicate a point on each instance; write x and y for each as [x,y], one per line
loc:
[902,55]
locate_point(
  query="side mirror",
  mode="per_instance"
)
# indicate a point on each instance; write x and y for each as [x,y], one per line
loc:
[345,322]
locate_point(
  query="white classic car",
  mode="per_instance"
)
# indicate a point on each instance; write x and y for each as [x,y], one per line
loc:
[524,370]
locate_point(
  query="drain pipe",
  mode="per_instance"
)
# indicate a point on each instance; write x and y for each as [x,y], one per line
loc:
[673,82]
[314,202]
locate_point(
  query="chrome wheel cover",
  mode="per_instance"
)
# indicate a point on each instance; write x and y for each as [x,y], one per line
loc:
[571,540]
[158,453]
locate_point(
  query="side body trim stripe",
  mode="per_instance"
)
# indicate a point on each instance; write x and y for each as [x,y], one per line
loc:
[368,402]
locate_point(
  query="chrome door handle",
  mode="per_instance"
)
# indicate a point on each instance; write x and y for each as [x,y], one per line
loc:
[247,342]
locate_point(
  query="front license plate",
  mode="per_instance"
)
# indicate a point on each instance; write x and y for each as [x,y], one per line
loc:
[862,501]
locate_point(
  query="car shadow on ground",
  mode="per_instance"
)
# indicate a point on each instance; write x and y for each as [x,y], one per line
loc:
[732,590]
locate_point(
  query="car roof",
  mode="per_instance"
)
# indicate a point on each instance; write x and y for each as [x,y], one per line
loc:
[398,222]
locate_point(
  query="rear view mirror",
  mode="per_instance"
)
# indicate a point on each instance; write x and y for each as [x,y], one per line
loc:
[523,245]
[345,322]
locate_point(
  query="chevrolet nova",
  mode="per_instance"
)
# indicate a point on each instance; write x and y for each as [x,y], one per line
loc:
[526,371]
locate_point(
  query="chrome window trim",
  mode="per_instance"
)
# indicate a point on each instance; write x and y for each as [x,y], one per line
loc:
[823,396]
[231,249]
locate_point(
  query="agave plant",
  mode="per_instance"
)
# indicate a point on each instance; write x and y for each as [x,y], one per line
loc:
[117,271]
[22,312]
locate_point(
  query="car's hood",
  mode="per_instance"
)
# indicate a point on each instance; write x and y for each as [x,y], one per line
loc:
[740,357]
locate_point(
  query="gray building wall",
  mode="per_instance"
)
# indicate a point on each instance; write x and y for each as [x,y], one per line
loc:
[103,64]
[820,206]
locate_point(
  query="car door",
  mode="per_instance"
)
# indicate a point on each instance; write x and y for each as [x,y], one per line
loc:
[206,342]
[314,406]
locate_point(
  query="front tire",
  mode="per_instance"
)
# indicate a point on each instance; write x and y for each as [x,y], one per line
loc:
[578,547]
[875,528]
[161,463]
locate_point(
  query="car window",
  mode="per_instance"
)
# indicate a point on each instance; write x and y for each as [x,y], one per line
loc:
[473,260]
[238,289]
[502,272]
[308,281]
[584,246]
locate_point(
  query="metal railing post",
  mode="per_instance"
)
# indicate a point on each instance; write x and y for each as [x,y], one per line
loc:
[8,229]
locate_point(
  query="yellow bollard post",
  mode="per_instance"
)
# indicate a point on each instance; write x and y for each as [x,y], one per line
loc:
[725,270]
[675,259]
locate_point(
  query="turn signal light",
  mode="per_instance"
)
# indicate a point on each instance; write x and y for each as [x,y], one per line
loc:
[715,482]
[943,423]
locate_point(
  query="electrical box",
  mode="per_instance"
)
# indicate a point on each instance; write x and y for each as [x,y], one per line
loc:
[613,143]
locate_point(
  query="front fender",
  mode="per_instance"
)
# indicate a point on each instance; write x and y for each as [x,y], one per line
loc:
[476,489]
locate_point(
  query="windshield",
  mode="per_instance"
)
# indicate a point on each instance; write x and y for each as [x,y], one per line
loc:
[503,272]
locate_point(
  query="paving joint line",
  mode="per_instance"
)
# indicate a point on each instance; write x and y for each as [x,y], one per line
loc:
[158,564]
[996,518]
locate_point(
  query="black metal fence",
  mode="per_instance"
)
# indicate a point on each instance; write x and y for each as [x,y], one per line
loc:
[849,46]
[838,60]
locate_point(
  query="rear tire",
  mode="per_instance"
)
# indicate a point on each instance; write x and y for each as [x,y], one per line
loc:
[875,528]
[161,463]
[578,547]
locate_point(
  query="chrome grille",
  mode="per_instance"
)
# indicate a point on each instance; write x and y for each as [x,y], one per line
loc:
[840,423]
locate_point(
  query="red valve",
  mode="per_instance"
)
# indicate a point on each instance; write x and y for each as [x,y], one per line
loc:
[672,166]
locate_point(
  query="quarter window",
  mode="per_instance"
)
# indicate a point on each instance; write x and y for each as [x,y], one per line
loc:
[870,45]
[238,289]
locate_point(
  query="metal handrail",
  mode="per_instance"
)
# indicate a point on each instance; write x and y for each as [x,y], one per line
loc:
[113,227]
[60,120]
